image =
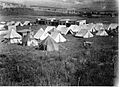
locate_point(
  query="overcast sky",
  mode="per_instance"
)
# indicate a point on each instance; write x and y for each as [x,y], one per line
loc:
[93,4]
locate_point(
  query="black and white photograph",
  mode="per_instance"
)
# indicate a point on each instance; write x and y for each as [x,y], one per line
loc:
[59,42]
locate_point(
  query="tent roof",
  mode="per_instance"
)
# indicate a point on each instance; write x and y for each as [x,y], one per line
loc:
[49,28]
[39,33]
[82,32]
[101,32]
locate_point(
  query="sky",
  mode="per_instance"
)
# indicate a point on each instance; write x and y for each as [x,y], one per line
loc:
[91,4]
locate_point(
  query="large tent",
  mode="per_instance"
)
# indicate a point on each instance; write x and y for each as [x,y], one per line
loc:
[13,36]
[84,33]
[50,44]
[58,37]
[39,33]
[102,33]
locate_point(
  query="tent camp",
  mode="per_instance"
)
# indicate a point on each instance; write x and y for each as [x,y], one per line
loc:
[18,23]
[74,28]
[39,33]
[102,33]
[50,28]
[112,26]
[50,44]
[13,36]
[84,33]
[57,37]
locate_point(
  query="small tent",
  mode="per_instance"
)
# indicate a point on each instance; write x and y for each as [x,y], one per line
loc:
[27,23]
[13,36]
[39,33]
[44,35]
[50,44]
[60,26]
[58,37]
[18,23]
[74,28]
[84,33]
[102,33]
[112,26]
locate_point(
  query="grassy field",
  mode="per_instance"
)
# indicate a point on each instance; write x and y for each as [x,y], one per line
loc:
[72,65]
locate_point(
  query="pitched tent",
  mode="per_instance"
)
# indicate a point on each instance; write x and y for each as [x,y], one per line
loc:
[98,26]
[18,23]
[102,33]
[58,37]
[74,28]
[50,28]
[10,23]
[84,33]
[39,33]
[27,23]
[50,44]
[13,36]
[113,26]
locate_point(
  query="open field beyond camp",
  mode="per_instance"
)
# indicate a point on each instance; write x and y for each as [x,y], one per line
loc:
[72,65]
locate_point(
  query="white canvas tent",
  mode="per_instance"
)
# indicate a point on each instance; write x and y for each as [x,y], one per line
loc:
[13,36]
[58,37]
[44,36]
[39,33]
[84,33]
[27,23]
[50,28]
[113,26]
[60,26]
[102,33]
[74,28]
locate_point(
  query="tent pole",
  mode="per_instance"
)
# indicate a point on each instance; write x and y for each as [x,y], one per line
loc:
[59,46]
